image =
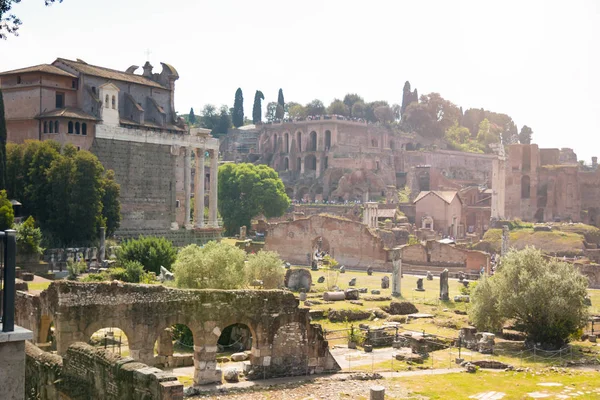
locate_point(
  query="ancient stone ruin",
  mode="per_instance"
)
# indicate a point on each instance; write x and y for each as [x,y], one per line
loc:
[284,343]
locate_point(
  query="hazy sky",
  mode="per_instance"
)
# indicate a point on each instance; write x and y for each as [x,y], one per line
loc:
[537,61]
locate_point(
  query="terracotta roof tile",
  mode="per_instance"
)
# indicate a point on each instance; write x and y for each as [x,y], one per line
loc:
[108,73]
[68,112]
[47,68]
[446,196]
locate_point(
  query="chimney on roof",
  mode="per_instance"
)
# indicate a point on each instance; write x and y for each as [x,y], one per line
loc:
[594,162]
[147,70]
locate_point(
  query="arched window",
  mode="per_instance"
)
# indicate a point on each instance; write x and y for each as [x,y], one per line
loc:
[77,128]
[313,141]
[50,127]
[45,126]
[114,102]
[298,164]
[327,140]
[286,164]
[106,101]
[55,126]
[84,129]
[286,142]
[70,128]
[525,187]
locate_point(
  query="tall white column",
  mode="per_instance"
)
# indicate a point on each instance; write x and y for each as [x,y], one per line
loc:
[199,186]
[212,200]
[187,185]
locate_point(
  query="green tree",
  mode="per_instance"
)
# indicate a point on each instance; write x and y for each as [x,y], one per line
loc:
[384,114]
[111,206]
[296,111]
[358,110]
[134,271]
[209,117]
[29,237]
[280,109]
[3,135]
[192,116]
[267,267]
[224,122]
[271,115]
[7,215]
[238,109]
[213,266]
[247,190]
[370,109]
[337,107]
[9,23]
[408,97]
[524,135]
[315,107]
[350,99]
[38,159]
[152,252]
[257,108]
[545,299]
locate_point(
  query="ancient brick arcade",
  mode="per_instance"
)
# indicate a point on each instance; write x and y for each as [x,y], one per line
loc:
[284,342]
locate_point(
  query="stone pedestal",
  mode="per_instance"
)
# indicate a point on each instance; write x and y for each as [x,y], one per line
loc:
[12,362]
[377,393]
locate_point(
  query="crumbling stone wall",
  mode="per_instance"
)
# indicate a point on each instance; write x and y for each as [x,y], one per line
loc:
[351,243]
[143,312]
[440,255]
[87,372]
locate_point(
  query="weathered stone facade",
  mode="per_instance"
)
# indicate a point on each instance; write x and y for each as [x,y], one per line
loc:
[86,372]
[436,256]
[143,312]
[351,243]
[540,185]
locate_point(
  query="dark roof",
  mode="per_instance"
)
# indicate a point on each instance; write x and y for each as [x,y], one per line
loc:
[68,112]
[47,68]
[108,73]
[150,124]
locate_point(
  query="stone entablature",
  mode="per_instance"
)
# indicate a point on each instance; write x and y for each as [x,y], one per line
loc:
[143,312]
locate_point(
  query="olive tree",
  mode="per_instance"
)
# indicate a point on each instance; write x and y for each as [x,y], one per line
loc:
[267,267]
[545,299]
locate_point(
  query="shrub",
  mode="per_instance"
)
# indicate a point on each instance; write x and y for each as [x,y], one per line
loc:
[348,314]
[7,215]
[267,267]
[469,289]
[133,271]
[29,237]
[152,252]
[545,299]
[95,277]
[117,273]
[216,266]
[75,268]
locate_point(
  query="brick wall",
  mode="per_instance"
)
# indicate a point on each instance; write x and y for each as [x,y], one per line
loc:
[87,372]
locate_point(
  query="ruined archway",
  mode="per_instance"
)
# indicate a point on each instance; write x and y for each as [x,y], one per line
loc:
[319,243]
[112,339]
[174,347]
[234,338]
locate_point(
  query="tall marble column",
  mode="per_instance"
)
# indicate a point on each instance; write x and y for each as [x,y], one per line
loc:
[396,277]
[212,200]
[199,186]
[187,185]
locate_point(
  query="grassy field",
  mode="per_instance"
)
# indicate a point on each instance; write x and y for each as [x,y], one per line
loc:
[38,285]
[515,385]
[555,242]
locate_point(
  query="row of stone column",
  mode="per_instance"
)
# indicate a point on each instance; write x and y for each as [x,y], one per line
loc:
[199,186]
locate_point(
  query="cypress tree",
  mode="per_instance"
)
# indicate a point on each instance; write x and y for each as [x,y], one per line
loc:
[238,109]
[192,116]
[280,105]
[257,108]
[3,135]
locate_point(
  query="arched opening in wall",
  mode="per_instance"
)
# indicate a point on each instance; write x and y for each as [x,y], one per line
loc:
[286,142]
[70,127]
[310,163]
[325,163]
[45,126]
[409,147]
[234,338]
[374,143]
[313,141]
[114,102]
[301,193]
[77,128]
[539,215]
[84,129]
[275,143]
[542,195]
[418,146]
[46,338]
[290,192]
[327,140]
[174,347]
[112,339]
[526,159]
[106,101]
[525,187]
[298,164]
[51,127]
[320,244]
[299,141]
[286,164]
[55,126]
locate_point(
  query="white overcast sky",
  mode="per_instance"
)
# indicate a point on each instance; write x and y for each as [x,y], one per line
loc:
[537,61]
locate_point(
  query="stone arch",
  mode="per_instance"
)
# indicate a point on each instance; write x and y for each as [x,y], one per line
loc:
[327,140]
[235,338]
[303,191]
[112,338]
[310,163]
[525,187]
[45,331]
[286,164]
[320,243]
[290,192]
[170,340]
[312,141]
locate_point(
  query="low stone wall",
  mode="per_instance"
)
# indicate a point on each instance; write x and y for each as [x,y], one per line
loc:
[87,372]
[592,271]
